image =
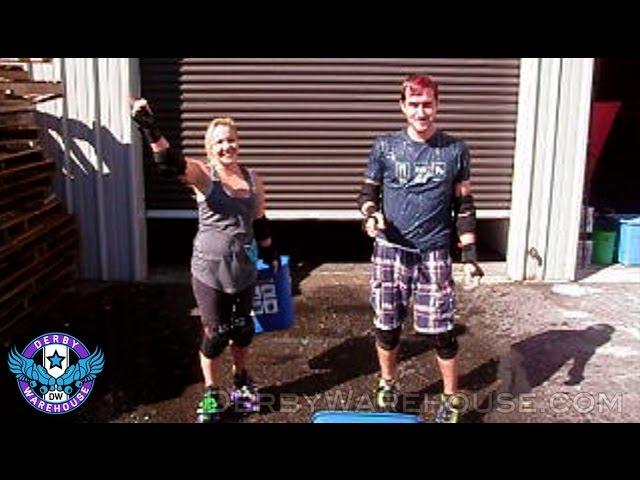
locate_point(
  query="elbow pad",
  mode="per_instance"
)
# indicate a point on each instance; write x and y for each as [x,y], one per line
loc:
[369,193]
[466,213]
[170,161]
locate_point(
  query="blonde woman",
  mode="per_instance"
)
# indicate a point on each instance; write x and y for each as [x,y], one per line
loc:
[232,230]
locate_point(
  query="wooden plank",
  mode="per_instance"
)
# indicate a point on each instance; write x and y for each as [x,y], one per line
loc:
[27,294]
[40,302]
[35,234]
[28,197]
[10,174]
[19,133]
[19,225]
[67,240]
[6,96]
[13,72]
[19,280]
[8,156]
[29,155]
[18,119]
[22,257]
[12,146]
[31,89]
[24,60]
[38,285]
[19,171]
[10,220]
[24,186]
[16,105]
[39,276]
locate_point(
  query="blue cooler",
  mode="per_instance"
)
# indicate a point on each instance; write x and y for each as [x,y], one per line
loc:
[337,416]
[629,247]
[272,302]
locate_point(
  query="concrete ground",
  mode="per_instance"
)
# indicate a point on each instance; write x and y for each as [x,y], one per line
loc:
[529,352]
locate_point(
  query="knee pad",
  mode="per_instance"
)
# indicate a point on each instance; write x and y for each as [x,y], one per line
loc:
[388,339]
[446,345]
[242,331]
[213,345]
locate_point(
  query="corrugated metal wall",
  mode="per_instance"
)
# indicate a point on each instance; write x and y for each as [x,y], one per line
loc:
[307,124]
[88,134]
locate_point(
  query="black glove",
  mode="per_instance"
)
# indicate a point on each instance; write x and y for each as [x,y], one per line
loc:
[146,121]
[269,255]
[470,255]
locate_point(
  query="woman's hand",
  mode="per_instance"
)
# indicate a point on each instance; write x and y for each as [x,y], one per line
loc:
[143,116]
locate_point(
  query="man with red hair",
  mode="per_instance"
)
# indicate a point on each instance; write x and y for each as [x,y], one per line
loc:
[416,187]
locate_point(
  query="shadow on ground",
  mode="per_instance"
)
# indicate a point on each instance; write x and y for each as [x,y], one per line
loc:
[530,363]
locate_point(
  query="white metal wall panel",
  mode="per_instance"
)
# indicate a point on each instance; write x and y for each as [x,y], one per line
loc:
[88,133]
[546,209]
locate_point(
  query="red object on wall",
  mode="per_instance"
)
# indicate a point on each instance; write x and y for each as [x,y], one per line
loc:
[603,115]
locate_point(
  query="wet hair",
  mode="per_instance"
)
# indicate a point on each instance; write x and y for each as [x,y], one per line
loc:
[416,84]
[216,122]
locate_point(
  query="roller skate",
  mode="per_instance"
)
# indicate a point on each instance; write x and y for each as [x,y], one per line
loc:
[386,396]
[244,395]
[450,409]
[210,406]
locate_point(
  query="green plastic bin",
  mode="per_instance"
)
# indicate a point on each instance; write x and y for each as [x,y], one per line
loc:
[604,247]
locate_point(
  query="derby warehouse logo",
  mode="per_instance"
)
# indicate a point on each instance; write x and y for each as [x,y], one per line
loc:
[55,372]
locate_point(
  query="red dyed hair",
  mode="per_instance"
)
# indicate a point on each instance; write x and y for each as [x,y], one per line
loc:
[416,84]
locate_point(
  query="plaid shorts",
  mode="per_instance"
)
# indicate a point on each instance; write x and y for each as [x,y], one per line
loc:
[397,273]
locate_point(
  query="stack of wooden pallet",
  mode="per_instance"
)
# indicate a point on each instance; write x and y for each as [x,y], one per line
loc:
[39,240]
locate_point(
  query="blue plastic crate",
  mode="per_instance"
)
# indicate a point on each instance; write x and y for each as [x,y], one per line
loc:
[340,416]
[629,247]
[272,302]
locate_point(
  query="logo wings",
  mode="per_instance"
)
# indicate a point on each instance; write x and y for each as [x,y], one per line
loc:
[85,370]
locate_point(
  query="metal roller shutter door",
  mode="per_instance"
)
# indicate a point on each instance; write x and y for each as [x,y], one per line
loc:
[307,124]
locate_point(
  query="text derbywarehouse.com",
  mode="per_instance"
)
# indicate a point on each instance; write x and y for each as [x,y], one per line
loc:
[559,403]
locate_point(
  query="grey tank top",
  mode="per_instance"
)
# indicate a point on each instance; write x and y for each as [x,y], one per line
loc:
[221,249]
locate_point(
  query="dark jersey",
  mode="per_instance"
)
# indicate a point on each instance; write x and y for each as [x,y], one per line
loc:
[418,181]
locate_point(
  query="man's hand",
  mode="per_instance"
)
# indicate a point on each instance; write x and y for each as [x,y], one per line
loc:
[374,223]
[472,270]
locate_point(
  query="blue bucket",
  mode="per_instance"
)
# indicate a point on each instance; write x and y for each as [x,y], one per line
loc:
[272,302]
[629,247]
[337,416]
